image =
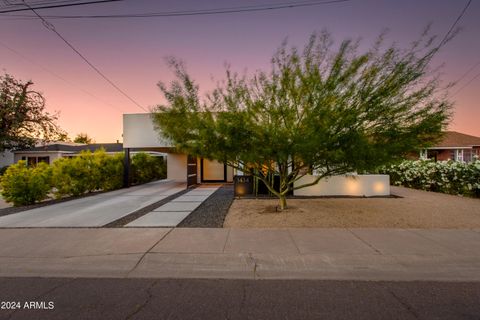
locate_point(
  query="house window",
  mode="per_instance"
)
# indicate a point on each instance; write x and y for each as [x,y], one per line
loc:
[32,161]
[467,155]
[459,155]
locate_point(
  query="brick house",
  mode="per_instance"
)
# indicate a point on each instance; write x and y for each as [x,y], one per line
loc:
[454,146]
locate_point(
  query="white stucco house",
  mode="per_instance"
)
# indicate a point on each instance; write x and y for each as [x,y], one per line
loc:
[139,134]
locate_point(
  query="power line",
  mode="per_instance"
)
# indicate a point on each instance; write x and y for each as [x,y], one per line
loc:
[452,27]
[467,84]
[52,5]
[466,73]
[58,76]
[242,9]
[51,27]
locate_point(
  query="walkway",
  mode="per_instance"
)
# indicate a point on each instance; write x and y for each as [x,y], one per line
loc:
[341,254]
[173,212]
[94,211]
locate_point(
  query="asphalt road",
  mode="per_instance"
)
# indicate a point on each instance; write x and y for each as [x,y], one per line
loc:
[236,299]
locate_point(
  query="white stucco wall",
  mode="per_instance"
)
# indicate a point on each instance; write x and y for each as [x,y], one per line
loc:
[177,167]
[355,185]
[139,132]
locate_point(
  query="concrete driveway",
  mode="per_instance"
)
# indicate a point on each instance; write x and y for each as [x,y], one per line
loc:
[94,211]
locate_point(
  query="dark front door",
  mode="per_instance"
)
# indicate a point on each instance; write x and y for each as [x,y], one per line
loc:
[191,171]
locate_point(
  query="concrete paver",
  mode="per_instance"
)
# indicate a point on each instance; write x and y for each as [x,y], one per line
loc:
[173,212]
[93,211]
[201,240]
[160,219]
[190,198]
[179,206]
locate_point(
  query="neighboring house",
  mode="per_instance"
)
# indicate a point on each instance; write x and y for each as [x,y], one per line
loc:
[52,151]
[6,158]
[454,146]
[139,134]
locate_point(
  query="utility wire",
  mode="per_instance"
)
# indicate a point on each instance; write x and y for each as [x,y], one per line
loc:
[51,27]
[466,73]
[49,6]
[240,9]
[467,84]
[452,27]
[58,76]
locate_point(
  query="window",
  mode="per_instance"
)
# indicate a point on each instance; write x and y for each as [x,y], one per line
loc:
[32,161]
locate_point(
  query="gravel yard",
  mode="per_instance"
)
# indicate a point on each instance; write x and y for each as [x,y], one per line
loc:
[413,209]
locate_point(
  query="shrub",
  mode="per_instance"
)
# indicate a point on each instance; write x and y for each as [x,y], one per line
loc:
[147,168]
[23,185]
[443,176]
[3,170]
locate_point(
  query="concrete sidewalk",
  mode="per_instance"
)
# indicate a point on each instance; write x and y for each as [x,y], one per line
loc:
[342,254]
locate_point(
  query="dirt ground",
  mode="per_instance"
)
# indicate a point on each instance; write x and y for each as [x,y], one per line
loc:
[416,209]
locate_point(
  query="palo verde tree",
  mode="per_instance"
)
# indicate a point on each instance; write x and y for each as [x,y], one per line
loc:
[23,119]
[324,109]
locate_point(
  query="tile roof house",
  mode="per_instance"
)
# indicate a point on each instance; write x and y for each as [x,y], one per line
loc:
[454,146]
[52,151]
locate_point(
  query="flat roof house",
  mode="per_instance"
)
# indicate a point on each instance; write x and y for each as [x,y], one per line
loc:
[50,152]
[454,146]
[139,134]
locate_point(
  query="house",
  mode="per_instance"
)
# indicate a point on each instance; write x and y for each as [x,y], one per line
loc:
[6,158]
[454,146]
[139,134]
[52,151]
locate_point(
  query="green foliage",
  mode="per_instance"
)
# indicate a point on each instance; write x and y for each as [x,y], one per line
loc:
[87,172]
[147,168]
[83,138]
[23,118]
[22,185]
[2,170]
[444,176]
[75,176]
[330,110]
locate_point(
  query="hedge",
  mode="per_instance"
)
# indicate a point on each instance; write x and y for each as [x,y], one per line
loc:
[443,176]
[87,172]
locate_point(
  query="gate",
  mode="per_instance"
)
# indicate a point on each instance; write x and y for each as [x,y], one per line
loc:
[191,171]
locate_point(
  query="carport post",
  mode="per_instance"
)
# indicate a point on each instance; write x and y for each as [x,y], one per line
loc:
[126,168]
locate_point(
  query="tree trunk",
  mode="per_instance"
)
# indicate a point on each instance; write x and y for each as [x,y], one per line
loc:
[282,202]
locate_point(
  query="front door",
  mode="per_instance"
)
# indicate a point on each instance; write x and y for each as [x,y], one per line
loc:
[213,171]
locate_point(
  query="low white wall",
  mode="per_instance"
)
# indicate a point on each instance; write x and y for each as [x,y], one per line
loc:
[177,167]
[350,185]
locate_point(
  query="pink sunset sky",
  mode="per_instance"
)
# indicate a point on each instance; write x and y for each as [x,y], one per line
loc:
[131,51]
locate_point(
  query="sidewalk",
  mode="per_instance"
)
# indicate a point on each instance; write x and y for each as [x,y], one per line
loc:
[341,254]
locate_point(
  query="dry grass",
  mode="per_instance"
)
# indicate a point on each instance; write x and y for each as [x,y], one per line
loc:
[417,209]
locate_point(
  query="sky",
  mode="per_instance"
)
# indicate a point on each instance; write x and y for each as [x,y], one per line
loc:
[131,52]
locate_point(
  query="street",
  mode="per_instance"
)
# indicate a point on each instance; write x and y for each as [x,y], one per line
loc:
[236,299]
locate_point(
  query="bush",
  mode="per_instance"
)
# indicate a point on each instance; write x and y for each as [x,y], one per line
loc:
[87,172]
[3,170]
[443,176]
[23,185]
[147,168]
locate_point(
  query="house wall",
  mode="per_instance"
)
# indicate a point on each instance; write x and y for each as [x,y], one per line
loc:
[139,132]
[6,158]
[355,185]
[177,167]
